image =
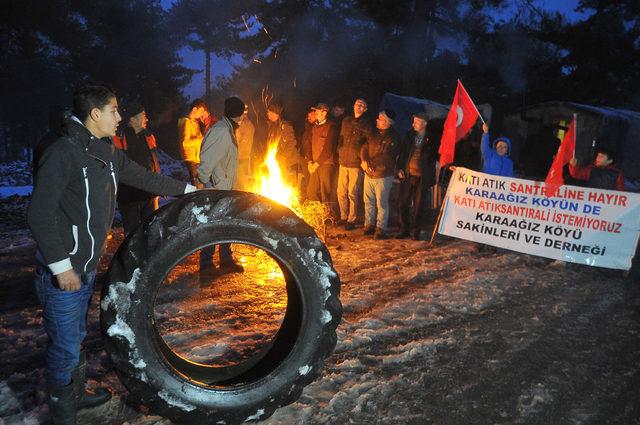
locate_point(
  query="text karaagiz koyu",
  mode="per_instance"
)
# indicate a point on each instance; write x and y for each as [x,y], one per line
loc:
[516,214]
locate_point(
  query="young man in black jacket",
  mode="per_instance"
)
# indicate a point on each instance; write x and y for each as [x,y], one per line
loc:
[70,216]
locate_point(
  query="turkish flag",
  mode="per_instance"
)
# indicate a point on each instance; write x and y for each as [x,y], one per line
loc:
[566,151]
[462,116]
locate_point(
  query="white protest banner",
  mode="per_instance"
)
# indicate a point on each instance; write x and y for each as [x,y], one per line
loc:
[582,225]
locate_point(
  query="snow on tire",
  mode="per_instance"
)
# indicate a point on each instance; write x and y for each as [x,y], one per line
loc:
[188,392]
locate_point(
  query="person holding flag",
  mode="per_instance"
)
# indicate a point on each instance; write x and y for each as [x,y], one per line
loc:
[566,152]
[602,174]
[495,157]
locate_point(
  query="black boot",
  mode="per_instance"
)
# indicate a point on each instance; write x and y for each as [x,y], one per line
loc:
[62,405]
[84,398]
[230,266]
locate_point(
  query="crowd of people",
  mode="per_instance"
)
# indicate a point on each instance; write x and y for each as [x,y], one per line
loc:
[347,161]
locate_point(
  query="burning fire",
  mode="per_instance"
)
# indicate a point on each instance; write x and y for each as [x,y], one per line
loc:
[272,185]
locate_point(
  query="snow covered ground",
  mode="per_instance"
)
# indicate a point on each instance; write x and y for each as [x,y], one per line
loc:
[440,335]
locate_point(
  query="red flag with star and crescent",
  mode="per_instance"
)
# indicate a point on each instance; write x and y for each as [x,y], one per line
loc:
[461,118]
[566,151]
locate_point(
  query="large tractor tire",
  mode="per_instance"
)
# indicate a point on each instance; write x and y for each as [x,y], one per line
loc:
[193,393]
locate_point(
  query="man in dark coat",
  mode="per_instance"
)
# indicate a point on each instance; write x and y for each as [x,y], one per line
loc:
[70,215]
[320,153]
[281,132]
[379,157]
[354,133]
[140,146]
[417,173]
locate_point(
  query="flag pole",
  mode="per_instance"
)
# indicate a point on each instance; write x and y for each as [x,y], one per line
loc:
[575,134]
[435,228]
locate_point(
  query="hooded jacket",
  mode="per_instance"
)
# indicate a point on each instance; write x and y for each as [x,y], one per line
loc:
[492,163]
[74,197]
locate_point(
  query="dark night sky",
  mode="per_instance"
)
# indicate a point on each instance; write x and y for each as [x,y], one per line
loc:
[195,59]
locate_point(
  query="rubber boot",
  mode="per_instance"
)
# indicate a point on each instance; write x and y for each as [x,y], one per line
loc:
[85,399]
[62,405]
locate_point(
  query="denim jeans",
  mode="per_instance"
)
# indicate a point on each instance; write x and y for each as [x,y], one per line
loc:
[376,201]
[65,322]
[349,184]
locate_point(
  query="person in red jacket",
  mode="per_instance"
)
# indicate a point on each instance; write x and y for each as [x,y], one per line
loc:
[320,152]
[602,174]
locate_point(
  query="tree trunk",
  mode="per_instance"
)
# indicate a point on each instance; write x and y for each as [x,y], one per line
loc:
[207,77]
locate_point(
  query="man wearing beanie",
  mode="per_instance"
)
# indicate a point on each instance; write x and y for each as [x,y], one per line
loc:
[140,146]
[217,170]
[378,162]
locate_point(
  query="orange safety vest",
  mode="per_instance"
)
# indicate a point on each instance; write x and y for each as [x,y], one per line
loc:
[120,142]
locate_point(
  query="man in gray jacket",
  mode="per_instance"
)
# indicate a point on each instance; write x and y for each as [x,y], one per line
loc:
[217,170]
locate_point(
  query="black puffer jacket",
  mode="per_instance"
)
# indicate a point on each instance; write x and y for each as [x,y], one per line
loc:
[354,133]
[74,197]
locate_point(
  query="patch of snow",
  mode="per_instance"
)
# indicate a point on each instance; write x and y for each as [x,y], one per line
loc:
[139,364]
[173,401]
[6,191]
[120,328]
[272,242]
[119,297]
[304,370]
[17,241]
[16,173]
[197,212]
[326,317]
[9,403]
[119,293]
[255,416]
[288,221]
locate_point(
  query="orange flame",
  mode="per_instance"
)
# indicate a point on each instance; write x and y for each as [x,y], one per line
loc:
[272,185]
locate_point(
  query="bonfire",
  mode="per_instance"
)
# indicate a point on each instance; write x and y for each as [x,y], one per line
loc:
[271,184]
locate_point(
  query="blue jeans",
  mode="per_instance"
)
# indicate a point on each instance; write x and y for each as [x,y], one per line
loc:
[376,201]
[65,321]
